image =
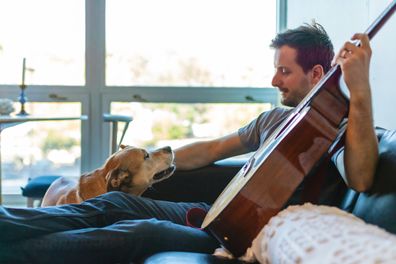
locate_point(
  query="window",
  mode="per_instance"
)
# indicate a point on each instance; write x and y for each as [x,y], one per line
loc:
[185,61]
[41,148]
[49,34]
[209,43]
[166,124]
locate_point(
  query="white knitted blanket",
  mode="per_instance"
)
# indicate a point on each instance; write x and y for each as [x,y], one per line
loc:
[320,234]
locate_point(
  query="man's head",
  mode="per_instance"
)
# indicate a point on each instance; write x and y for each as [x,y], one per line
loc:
[302,56]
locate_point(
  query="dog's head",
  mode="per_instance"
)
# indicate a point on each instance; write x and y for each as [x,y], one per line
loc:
[133,170]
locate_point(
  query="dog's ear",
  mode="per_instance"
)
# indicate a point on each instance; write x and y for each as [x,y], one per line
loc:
[116,179]
[122,146]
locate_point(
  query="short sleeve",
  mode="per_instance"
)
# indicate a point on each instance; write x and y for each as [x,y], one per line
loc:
[257,131]
[249,134]
[338,160]
[338,156]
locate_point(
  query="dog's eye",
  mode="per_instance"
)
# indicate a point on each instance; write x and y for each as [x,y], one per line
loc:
[146,155]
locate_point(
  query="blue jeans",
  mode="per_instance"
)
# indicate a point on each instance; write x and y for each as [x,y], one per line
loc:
[112,228]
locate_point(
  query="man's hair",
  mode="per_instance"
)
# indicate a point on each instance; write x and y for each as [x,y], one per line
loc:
[312,43]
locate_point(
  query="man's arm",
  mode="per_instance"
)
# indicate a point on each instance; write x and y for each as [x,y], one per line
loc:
[203,153]
[361,146]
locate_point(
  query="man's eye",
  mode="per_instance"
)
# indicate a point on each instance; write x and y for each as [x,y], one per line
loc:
[146,156]
[285,71]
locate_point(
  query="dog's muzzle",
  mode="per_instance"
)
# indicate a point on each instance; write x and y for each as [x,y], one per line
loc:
[165,173]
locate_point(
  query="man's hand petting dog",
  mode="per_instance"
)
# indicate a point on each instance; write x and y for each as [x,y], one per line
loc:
[130,170]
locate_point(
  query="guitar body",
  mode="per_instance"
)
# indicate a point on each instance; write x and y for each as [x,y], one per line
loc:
[261,189]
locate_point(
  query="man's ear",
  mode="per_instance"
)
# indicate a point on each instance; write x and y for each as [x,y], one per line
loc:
[317,72]
[116,179]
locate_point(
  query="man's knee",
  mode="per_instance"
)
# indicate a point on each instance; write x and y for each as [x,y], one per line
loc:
[125,201]
[116,195]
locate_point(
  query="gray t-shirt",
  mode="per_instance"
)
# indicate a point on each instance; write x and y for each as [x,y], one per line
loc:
[257,131]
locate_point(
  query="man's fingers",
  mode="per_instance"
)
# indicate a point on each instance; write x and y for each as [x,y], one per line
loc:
[340,60]
[364,39]
[350,47]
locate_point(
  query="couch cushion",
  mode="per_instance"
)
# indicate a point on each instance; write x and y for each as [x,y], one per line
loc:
[378,206]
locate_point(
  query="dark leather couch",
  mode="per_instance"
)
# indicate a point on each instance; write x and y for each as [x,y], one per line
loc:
[377,206]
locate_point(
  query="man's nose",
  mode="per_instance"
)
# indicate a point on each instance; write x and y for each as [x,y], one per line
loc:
[275,80]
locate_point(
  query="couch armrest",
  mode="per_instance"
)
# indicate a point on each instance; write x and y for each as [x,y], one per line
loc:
[199,185]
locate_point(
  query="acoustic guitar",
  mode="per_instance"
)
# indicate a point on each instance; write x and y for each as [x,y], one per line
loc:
[266,182]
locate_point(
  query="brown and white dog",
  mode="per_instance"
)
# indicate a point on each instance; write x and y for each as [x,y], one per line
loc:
[130,170]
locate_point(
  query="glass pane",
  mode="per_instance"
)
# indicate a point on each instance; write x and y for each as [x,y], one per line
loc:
[171,124]
[32,149]
[190,43]
[49,34]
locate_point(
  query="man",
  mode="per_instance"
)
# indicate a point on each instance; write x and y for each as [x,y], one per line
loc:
[117,227]
[302,57]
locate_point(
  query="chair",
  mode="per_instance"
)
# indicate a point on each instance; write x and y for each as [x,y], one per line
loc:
[36,187]
[114,120]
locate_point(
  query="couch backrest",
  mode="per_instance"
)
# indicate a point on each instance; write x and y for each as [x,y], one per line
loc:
[199,185]
[378,205]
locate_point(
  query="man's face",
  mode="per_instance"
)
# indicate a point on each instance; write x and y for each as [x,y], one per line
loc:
[289,77]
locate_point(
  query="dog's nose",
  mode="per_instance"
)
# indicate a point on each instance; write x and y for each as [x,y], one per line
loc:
[167,149]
